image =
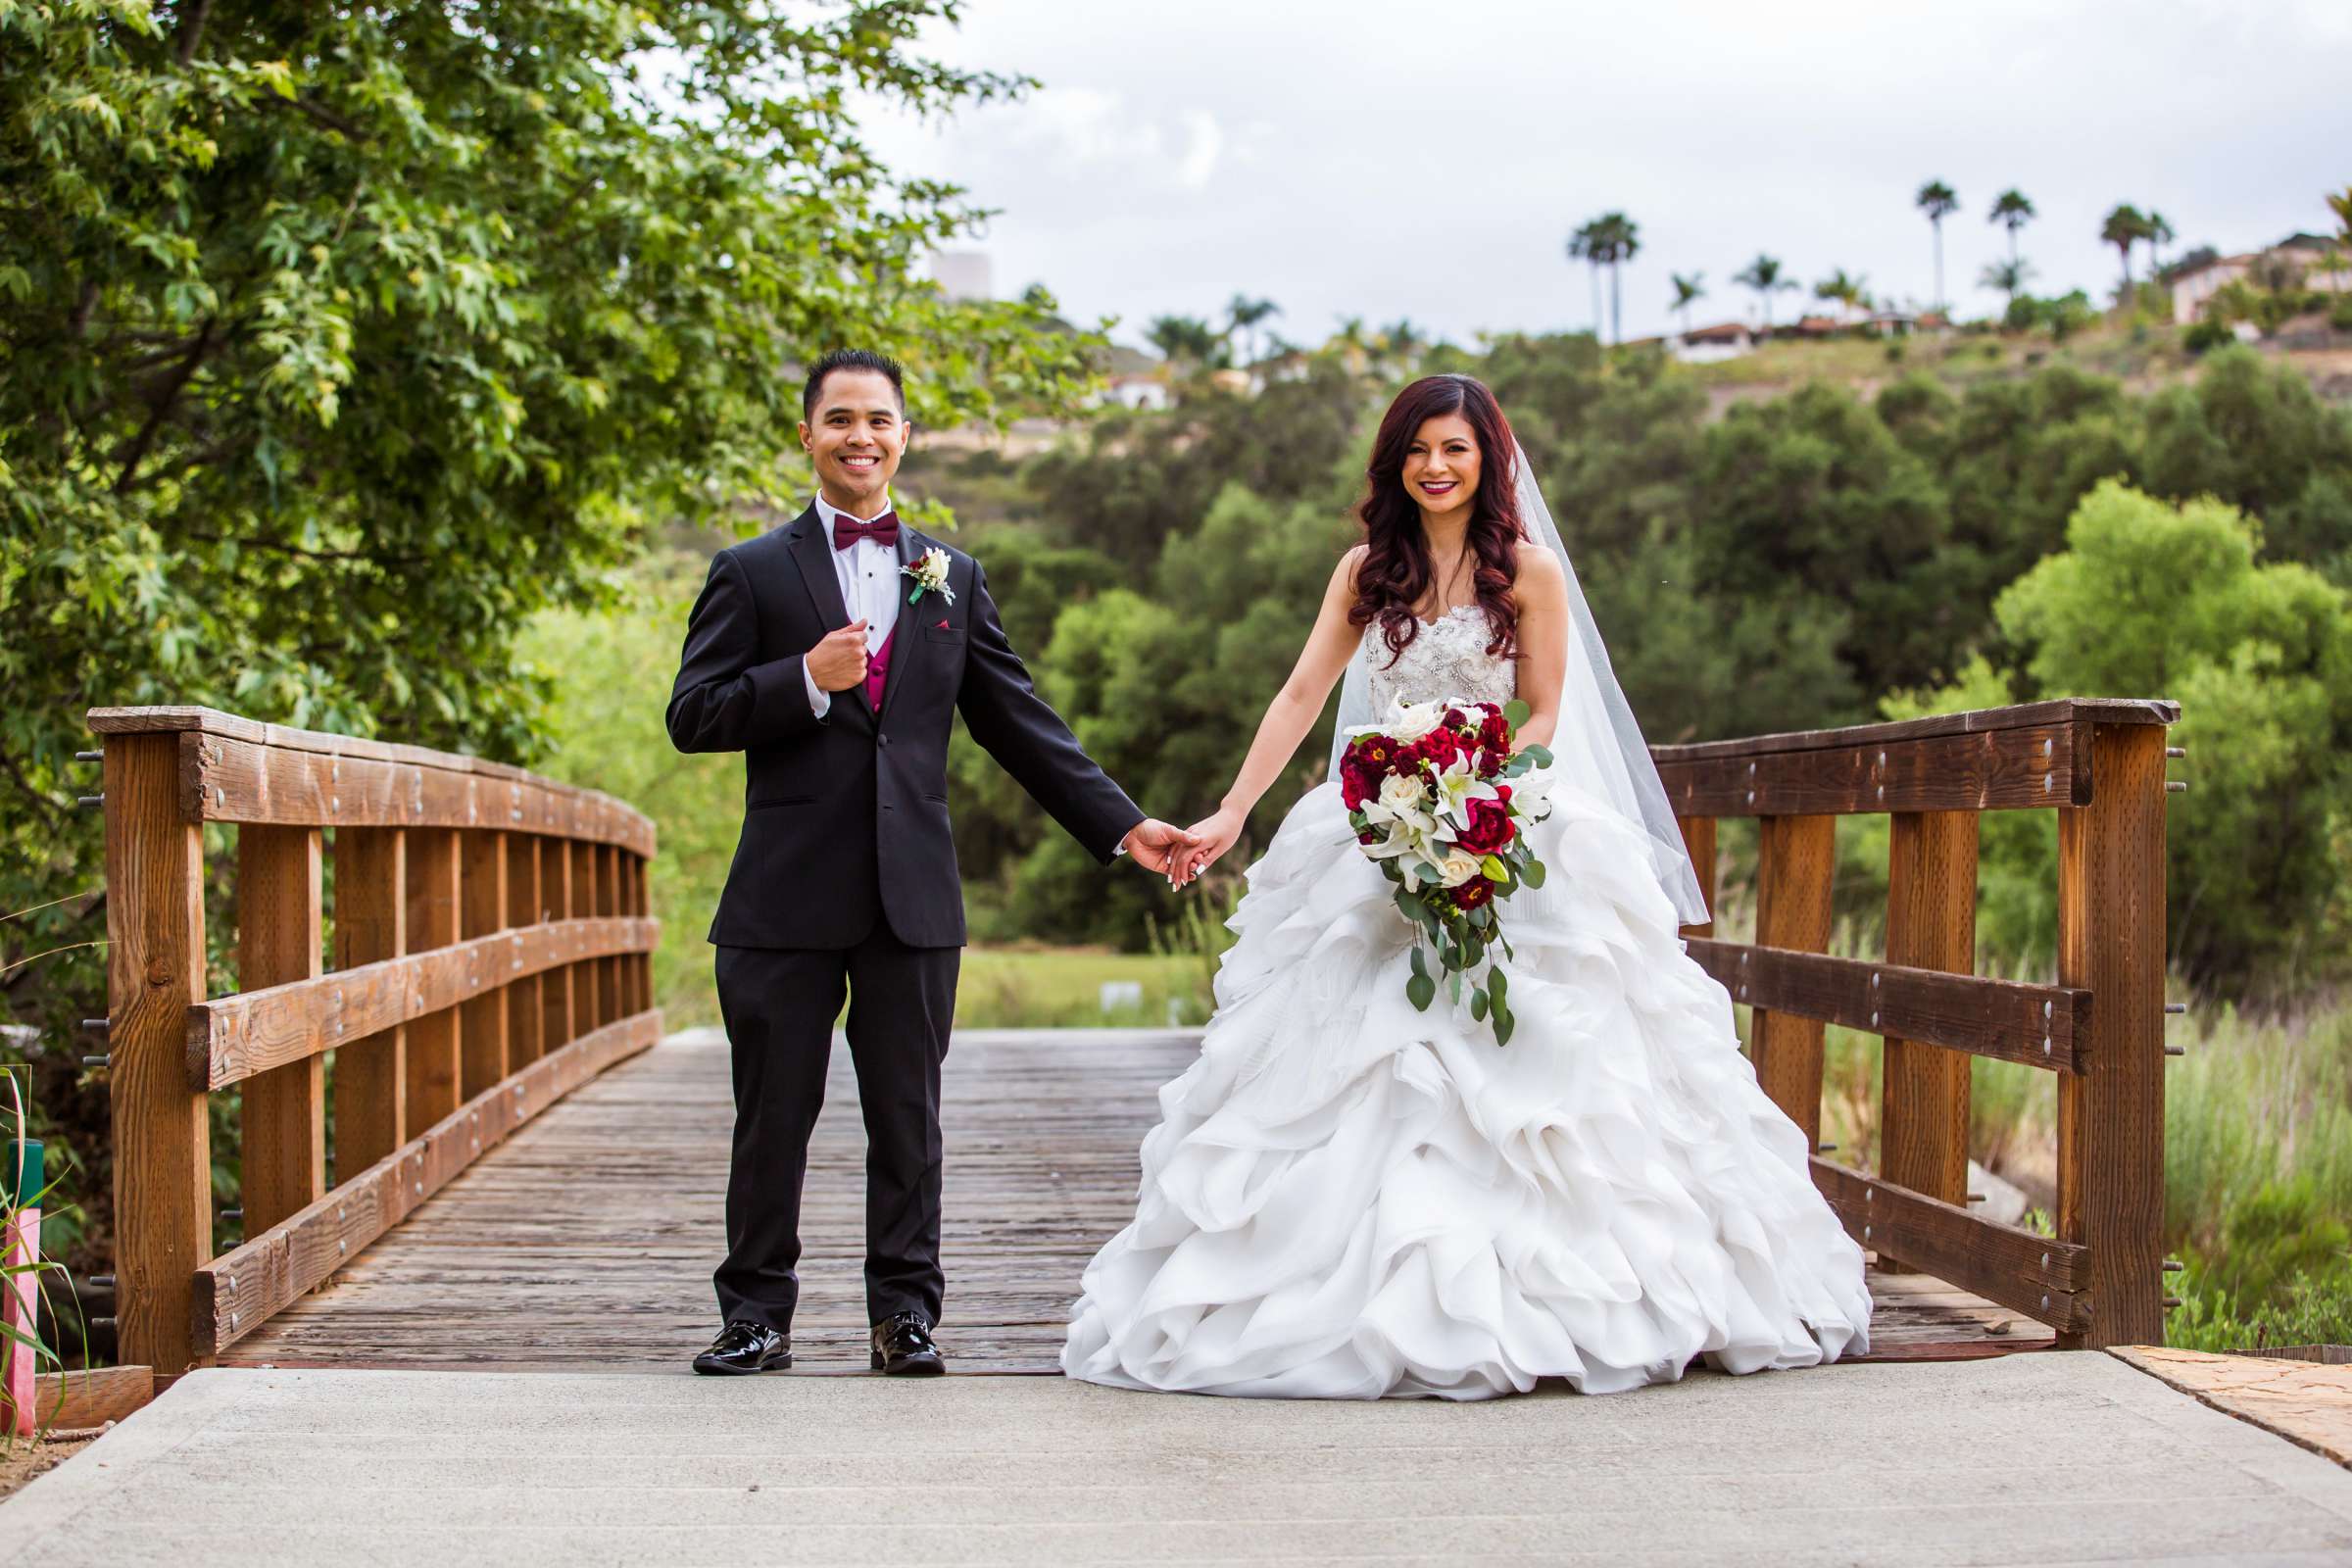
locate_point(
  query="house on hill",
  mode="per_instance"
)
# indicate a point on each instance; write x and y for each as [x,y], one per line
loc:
[2195,286]
[1705,345]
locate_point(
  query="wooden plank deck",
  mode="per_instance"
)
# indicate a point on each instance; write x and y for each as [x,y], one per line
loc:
[587,1240]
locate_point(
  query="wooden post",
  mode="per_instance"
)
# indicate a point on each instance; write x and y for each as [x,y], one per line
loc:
[1796,857]
[1931,924]
[278,935]
[2111,938]
[154,971]
[557,1026]
[484,910]
[435,1060]
[591,999]
[525,1009]
[608,905]
[372,1073]
[1699,838]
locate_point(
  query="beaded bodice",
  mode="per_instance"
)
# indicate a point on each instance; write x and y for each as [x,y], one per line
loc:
[1448,658]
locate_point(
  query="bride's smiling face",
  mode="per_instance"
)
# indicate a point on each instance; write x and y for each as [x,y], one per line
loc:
[1442,465]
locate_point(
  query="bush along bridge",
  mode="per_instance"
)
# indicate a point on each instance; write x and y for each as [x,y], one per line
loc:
[490,955]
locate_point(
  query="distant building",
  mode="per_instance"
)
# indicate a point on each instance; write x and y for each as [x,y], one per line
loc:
[2195,286]
[964,274]
[1705,345]
[1138,390]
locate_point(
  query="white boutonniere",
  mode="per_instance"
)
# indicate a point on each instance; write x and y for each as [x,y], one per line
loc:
[930,575]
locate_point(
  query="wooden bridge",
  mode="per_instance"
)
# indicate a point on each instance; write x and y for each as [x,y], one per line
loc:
[489,957]
[515,1171]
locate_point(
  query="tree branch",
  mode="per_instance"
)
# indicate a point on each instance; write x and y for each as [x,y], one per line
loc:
[165,396]
[191,29]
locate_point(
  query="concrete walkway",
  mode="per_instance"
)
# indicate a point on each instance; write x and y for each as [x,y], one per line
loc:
[2041,1459]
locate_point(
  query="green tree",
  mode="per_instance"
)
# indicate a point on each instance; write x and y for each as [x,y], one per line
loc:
[1242,316]
[2158,232]
[1847,293]
[1938,202]
[1617,240]
[2008,277]
[1188,342]
[2124,228]
[365,331]
[2155,600]
[1763,274]
[1689,291]
[1587,245]
[2012,211]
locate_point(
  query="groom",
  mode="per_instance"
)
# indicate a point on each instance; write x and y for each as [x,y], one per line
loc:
[827,653]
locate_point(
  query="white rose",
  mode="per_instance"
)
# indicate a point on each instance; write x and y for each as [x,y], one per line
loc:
[1458,868]
[1399,791]
[1410,721]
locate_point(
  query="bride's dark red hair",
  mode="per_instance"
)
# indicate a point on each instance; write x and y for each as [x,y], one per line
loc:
[1396,572]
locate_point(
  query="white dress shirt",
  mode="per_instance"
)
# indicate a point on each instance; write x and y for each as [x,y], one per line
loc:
[869,574]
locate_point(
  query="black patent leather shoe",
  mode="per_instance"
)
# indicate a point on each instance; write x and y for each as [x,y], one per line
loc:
[902,1347]
[744,1347]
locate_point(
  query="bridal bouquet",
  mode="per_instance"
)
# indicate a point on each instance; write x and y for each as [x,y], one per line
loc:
[1437,799]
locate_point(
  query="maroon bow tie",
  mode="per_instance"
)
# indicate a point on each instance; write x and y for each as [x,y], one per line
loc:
[847,530]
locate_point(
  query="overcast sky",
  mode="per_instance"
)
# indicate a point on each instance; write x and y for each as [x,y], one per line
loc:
[1428,161]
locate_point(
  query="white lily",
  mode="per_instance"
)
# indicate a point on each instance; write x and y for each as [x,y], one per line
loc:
[1459,784]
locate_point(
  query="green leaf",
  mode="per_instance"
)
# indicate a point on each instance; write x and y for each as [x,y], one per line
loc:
[1504,1022]
[1516,712]
[1533,874]
[1421,991]
[1419,968]
[1477,1004]
[1500,984]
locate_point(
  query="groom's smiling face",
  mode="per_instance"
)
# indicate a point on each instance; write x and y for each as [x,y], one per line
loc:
[855,435]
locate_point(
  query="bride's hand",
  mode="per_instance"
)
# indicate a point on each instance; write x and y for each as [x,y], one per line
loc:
[1212,836]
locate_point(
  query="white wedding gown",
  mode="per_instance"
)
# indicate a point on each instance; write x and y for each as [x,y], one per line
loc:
[1349,1199]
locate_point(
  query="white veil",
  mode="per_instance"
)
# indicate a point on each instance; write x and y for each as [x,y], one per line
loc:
[1597,740]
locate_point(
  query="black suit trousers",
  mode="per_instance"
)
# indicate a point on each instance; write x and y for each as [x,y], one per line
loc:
[779,1005]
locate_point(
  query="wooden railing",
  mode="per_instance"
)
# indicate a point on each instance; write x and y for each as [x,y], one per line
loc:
[491,942]
[2101,765]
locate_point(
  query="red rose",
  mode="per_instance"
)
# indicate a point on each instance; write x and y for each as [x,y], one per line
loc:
[1489,828]
[1490,762]
[1456,718]
[1473,893]
[1496,732]
[1439,747]
[1355,786]
[1375,754]
[1367,836]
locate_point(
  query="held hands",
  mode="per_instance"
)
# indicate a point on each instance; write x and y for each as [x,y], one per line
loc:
[838,662]
[1161,848]
[1210,837]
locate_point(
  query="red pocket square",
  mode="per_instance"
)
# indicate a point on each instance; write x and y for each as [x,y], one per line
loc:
[943,625]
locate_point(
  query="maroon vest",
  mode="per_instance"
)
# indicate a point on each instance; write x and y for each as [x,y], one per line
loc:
[877,668]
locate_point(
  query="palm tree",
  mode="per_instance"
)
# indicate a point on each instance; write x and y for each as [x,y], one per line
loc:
[1937,200]
[2008,277]
[2013,212]
[1763,274]
[2124,229]
[1619,239]
[1688,291]
[1183,340]
[1402,342]
[1244,313]
[2158,233]
[1844,291]
[1584,245]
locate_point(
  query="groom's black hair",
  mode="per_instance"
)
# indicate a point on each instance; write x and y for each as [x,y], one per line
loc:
[852,360]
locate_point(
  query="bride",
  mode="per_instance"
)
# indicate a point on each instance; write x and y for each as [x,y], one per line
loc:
[1348,1198]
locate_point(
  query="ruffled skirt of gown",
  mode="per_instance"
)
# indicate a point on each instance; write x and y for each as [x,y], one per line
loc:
[1349,1199]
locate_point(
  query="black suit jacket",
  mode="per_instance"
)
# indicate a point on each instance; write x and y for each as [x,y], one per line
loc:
[845,816]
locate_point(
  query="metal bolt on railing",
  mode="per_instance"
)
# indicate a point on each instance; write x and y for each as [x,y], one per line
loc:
[232,1213]
[2175,786]
[1975,1197]
[2176,1051]
[96,1026]
[2176,751]
[98,1060]
[2172,1265]
[2171,1301]
[2175,1006]
[89,803]
[102,1282]
[1823,1149]
[89,756]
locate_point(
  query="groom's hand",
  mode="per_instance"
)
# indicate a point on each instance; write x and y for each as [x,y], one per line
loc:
[839,662]
[1160,847]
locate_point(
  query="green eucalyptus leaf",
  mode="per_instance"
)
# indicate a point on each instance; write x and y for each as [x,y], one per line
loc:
[1421,991]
